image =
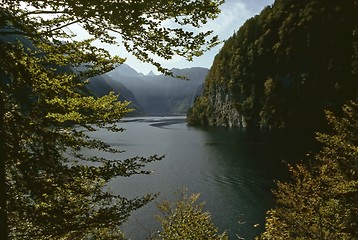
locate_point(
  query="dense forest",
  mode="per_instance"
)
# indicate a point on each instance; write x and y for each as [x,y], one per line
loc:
[283,68]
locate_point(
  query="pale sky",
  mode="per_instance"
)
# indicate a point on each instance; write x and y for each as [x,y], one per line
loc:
[233,14]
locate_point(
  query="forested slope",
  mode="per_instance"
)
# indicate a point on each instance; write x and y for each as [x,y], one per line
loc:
[283,68]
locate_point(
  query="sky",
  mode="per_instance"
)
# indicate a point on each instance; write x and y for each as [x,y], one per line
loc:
[233,14]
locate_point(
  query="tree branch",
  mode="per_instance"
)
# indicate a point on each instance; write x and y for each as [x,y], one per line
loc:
[63,26]
[38,12]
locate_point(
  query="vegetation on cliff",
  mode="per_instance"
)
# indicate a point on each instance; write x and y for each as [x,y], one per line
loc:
[283,67]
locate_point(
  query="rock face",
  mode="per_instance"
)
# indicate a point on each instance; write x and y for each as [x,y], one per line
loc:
[224,111]
[283,68]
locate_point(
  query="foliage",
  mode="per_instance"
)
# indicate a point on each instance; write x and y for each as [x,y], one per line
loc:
[321,201]
[49,196]
[185,219]
[197,115]
[49,187]
[308,51]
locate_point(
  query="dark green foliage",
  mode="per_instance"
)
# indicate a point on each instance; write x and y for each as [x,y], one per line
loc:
[197,114]
[286,65]
[321,202]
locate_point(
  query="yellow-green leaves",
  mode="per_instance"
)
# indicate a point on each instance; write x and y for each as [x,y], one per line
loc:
[321,201]
[185,219]
[87,109]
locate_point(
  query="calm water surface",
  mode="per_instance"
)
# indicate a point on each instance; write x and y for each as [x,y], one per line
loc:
[232,169]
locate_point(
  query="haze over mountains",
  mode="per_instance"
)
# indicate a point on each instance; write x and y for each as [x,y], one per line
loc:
[152,94]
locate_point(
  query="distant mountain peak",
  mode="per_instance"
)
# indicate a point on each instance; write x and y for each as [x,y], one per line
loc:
[151,73]
[124,70]
[155,94]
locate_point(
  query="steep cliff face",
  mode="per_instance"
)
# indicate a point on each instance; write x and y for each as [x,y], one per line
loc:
[283,68]
[224,111]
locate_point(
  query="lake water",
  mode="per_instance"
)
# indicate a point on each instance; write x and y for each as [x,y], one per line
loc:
[233,170]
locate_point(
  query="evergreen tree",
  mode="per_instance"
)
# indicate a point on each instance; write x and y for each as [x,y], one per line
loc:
[321,201]
[49,189]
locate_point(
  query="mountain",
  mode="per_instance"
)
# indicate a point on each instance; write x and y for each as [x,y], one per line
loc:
[104,84]
[160,94]
[283,68]
[151,73]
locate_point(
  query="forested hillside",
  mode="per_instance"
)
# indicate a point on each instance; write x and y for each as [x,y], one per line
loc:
[283,68]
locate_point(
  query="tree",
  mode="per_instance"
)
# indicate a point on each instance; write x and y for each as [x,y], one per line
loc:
[139,23]
[321,201]
[49,188]
[49,195]
[185,219]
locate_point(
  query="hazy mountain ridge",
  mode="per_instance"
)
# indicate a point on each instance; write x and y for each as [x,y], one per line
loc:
[152,94]
[102,85]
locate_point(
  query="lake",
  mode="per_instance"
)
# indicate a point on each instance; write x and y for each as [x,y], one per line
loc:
[232,169]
